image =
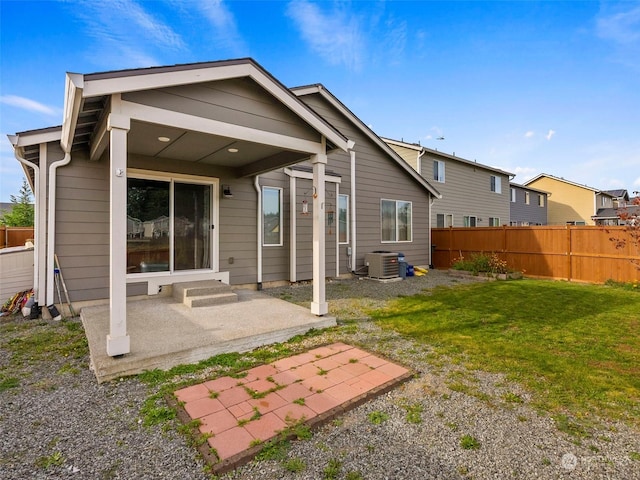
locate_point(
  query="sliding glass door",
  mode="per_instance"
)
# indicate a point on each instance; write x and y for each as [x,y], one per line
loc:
[169,225]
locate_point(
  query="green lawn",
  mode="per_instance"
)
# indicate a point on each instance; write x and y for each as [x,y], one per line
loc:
[575,347]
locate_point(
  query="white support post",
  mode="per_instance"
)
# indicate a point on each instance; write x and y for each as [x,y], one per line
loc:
[118,342]
[319,304]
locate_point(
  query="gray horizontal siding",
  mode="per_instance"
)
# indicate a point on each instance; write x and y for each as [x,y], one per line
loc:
[532,213]
[466,192]
[378,176]
[235,102]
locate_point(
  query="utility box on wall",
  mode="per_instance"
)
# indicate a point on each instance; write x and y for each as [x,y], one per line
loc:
[382,265]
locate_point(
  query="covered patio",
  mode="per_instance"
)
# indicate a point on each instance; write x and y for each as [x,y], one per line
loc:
[165,333]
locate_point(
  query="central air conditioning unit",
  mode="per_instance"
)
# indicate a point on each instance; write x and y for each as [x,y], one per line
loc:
[382,265]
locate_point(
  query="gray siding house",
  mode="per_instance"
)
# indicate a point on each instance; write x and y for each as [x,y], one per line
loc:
[473,195]
[211,171]
[528,205]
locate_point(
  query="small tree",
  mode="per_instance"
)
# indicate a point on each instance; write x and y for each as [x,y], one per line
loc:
[22,211]
[630,215]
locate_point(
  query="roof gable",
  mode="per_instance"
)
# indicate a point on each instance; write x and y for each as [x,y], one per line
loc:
[337,104]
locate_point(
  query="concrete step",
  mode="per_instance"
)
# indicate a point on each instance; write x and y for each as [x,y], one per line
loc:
[210,300]
[204,293]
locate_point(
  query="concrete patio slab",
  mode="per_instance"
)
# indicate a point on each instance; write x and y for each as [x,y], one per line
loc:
[165,333]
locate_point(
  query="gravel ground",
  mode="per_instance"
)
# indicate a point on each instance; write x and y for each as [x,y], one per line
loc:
[59,423]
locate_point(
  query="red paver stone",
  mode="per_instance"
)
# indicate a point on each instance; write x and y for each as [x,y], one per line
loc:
[373,361]
[268,403]
[220,384]
[376,378]
[343,392]
[357,353]
[233,396]
[321,352]
[284,378]
[305,371]
[260,385]
[339,347]
[231,442]
[355,369]
[392,370]
[194,392]
[241,410]
[314,384]
[266,426]
[338,375]
[326,364]
[294,391]
[294,412]
[360,385]
[343,358]
[218,422]
[321,402]
[263,371]
[203,406]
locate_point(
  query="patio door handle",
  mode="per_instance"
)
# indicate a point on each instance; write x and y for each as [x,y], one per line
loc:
[212,227]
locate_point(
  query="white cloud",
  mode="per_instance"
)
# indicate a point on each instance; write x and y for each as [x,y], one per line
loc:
[28,104]
[336,36]
[524,173]
[636,182]
[529,134]
[224,24]
[550,134]
[621,27]
[126,32]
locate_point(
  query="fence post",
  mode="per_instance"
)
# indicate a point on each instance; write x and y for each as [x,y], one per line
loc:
[569,260]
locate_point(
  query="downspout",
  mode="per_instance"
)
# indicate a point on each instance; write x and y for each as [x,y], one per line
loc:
[352,153]
[256,184]
[51,222]
[38,278]
[430,233]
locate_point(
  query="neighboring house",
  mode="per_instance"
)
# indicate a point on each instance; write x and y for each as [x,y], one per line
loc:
[5,208]
[528,205]
[212,171]
[620,197]
[473,195]
[623,207]
[570,203]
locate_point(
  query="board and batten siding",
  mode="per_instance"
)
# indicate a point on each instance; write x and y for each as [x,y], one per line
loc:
[466,191]
[378,177]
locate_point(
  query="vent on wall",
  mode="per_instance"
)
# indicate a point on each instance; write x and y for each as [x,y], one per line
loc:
[382,265]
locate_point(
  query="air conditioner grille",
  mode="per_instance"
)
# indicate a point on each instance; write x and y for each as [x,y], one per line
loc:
[382,265]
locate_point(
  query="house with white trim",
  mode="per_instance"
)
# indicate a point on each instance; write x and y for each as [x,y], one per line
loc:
[473,194]
[207,171]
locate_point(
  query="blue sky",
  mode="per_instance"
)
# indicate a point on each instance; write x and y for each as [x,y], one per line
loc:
[529,87]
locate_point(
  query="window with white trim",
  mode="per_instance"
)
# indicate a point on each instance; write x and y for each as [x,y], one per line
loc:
[496,184]
[396,221]
[513,195]
[470,221]
[541,200]
[526,198]
[343,218]
[438,171]
[494,221]
[271,216]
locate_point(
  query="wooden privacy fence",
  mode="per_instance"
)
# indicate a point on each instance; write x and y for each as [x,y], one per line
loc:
[14,236]
[579,253]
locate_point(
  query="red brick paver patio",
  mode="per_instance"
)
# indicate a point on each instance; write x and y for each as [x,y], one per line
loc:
[313,387]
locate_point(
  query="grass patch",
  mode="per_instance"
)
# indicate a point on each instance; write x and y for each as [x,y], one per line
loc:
[469,443]
[376,418]
[295,465]
[575,347]
[332,470]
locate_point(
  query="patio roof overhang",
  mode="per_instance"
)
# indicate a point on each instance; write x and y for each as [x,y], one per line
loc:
[90,99]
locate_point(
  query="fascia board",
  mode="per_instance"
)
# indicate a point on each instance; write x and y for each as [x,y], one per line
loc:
[367,131]
[36,138]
